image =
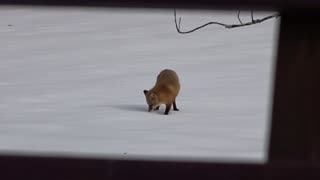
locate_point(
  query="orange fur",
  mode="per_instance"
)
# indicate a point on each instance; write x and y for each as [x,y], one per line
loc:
[165,90]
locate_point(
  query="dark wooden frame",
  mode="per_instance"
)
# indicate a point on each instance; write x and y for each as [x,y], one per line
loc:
[193,4]
[294,147]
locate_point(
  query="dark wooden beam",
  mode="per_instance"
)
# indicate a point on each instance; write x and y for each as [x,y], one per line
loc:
[199,4]
[54,168]
[295,132]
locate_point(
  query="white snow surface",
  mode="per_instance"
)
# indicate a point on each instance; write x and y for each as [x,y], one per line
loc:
[72,81]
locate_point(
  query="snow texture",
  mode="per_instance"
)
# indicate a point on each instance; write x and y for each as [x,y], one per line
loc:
[72,81]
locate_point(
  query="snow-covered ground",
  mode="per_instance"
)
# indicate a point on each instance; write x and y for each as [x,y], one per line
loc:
[72,81]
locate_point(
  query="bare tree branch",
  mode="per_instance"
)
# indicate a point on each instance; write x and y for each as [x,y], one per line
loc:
[228,26]
[252,16]
[239,17]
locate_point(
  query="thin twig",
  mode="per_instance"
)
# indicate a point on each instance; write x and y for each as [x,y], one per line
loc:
[252,16]
[202,26]
[228,26]
[239,17]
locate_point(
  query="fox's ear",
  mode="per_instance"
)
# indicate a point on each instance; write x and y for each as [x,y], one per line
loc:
[145,92]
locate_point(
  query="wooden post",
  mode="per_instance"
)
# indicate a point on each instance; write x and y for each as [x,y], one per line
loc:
[295,129]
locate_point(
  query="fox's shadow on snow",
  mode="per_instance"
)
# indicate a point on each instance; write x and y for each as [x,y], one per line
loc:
[130,107]
[134,107]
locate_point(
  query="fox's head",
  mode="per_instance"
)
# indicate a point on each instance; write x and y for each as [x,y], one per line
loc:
[152,99]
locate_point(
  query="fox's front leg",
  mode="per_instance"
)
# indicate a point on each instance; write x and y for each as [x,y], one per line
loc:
[157,108]
[168,107]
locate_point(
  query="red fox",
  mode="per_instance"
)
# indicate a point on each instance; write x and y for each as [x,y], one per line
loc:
[164,91]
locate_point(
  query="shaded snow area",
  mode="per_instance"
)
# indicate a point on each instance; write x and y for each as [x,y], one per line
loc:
[72,81]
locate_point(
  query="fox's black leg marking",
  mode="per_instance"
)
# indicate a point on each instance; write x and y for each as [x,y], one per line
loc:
[175,106]
[157,108]
[150,108]
[168,107]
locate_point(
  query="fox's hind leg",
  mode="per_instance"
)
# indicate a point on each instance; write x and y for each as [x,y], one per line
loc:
[168,107]
[157,108]
[175,106]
